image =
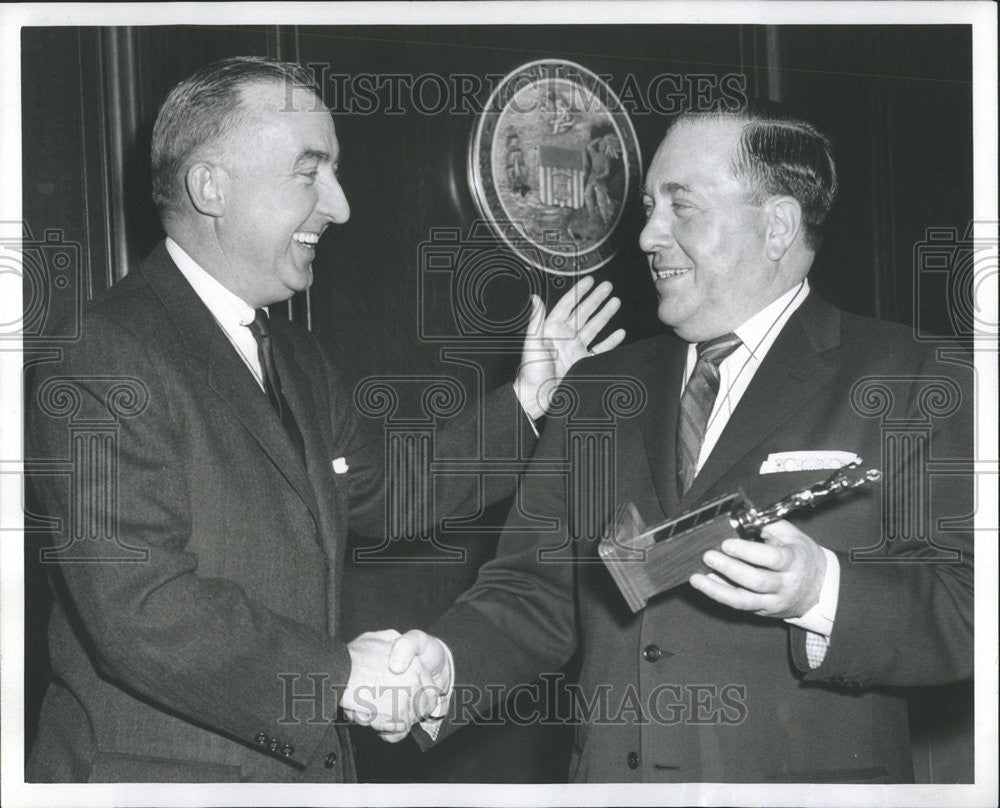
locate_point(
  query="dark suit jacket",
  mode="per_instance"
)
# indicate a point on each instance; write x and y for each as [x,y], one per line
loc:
[689,690]
[175,662]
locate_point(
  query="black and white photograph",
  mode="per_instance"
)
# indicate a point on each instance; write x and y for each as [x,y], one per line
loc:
[499,403]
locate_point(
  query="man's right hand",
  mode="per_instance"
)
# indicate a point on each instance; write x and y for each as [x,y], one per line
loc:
[416,648]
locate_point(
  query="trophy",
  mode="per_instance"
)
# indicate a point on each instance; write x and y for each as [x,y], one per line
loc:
[646,561]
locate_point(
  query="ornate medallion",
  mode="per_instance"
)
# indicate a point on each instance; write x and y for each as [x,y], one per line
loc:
[552,162]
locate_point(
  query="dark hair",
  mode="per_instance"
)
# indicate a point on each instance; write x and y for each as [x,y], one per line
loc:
[204,108]
[779,153]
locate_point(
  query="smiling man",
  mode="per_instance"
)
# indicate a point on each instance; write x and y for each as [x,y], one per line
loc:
[265,189]
[787,659]
[238,465]
[717,260]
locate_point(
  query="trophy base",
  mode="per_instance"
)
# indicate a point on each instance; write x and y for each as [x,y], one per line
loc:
[644,563]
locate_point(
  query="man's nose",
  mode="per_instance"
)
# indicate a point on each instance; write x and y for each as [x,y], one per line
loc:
[656,233]
[333,201]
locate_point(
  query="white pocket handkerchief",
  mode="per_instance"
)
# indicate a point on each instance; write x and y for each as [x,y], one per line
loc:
[339,466]
[807,461]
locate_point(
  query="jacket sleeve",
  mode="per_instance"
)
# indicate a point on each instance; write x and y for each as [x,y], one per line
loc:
[519,618]
[201,647]
[397,486]
[904,612]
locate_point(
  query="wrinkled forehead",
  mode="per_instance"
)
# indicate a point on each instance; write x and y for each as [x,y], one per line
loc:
[696,152]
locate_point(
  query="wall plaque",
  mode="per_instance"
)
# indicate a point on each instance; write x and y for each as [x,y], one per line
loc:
[552,162]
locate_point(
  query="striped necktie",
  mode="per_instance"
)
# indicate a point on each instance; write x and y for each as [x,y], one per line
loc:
[261,330]
[696,405]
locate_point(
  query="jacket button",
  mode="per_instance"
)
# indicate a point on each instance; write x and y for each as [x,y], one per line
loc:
[651,653]
[261,738]
[331,760]
[273,745]
[632,760]
[287,750]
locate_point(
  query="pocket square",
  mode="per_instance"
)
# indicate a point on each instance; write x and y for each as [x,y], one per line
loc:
[340,466]
[816,460]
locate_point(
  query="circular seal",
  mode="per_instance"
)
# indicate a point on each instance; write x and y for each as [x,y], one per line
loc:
[552,161]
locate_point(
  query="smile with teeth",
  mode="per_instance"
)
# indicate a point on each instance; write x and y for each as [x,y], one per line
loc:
[307,239]
[670,272]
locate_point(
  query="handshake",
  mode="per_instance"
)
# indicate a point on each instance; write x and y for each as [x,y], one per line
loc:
[396,681]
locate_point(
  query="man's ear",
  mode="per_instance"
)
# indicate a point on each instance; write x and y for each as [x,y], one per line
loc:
[783,223]
[204,188]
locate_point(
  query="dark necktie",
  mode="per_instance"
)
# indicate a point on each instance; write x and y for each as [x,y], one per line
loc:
[261,330]
[696,405]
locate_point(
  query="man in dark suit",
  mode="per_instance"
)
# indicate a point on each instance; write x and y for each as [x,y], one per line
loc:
[783,660]
[197,566]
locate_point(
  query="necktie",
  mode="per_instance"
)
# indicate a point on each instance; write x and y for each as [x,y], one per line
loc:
[696,405]
[261,330]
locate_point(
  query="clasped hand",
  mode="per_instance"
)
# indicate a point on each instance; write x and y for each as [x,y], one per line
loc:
[396,681]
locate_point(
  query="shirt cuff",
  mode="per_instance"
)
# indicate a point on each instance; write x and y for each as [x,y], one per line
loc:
[432,725]
[531,421]
[819,619]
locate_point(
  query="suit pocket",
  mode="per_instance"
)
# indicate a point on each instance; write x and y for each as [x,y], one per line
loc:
[110,767]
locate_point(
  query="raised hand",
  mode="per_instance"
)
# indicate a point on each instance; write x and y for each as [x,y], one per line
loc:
[780,577]
[387,699]
[553,344]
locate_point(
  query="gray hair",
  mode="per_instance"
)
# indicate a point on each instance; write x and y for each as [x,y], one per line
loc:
[203,109]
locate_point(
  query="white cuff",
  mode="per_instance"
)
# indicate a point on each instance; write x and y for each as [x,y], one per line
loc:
[819,619]
[524,409]
[433,725]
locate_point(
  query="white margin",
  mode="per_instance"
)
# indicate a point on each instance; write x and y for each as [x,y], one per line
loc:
[981,15]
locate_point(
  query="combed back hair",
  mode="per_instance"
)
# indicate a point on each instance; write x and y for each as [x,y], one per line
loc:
[203,109]
[780,154]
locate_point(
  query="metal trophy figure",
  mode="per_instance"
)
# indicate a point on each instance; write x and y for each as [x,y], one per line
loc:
[646,561]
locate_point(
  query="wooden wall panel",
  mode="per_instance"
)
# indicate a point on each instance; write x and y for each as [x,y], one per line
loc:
[898,103]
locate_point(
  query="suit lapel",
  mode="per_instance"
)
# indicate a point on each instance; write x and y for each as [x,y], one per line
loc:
[225,372]
[299,382]
[663,377]
[793,372]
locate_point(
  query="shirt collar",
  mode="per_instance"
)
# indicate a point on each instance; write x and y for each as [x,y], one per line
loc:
[760,331]
[228,308]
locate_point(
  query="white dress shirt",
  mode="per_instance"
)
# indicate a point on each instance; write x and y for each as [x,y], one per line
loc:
[737,370]
[735,374]
[231,312]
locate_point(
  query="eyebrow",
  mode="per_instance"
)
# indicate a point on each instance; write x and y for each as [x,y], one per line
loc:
[310,155]
[672,188]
